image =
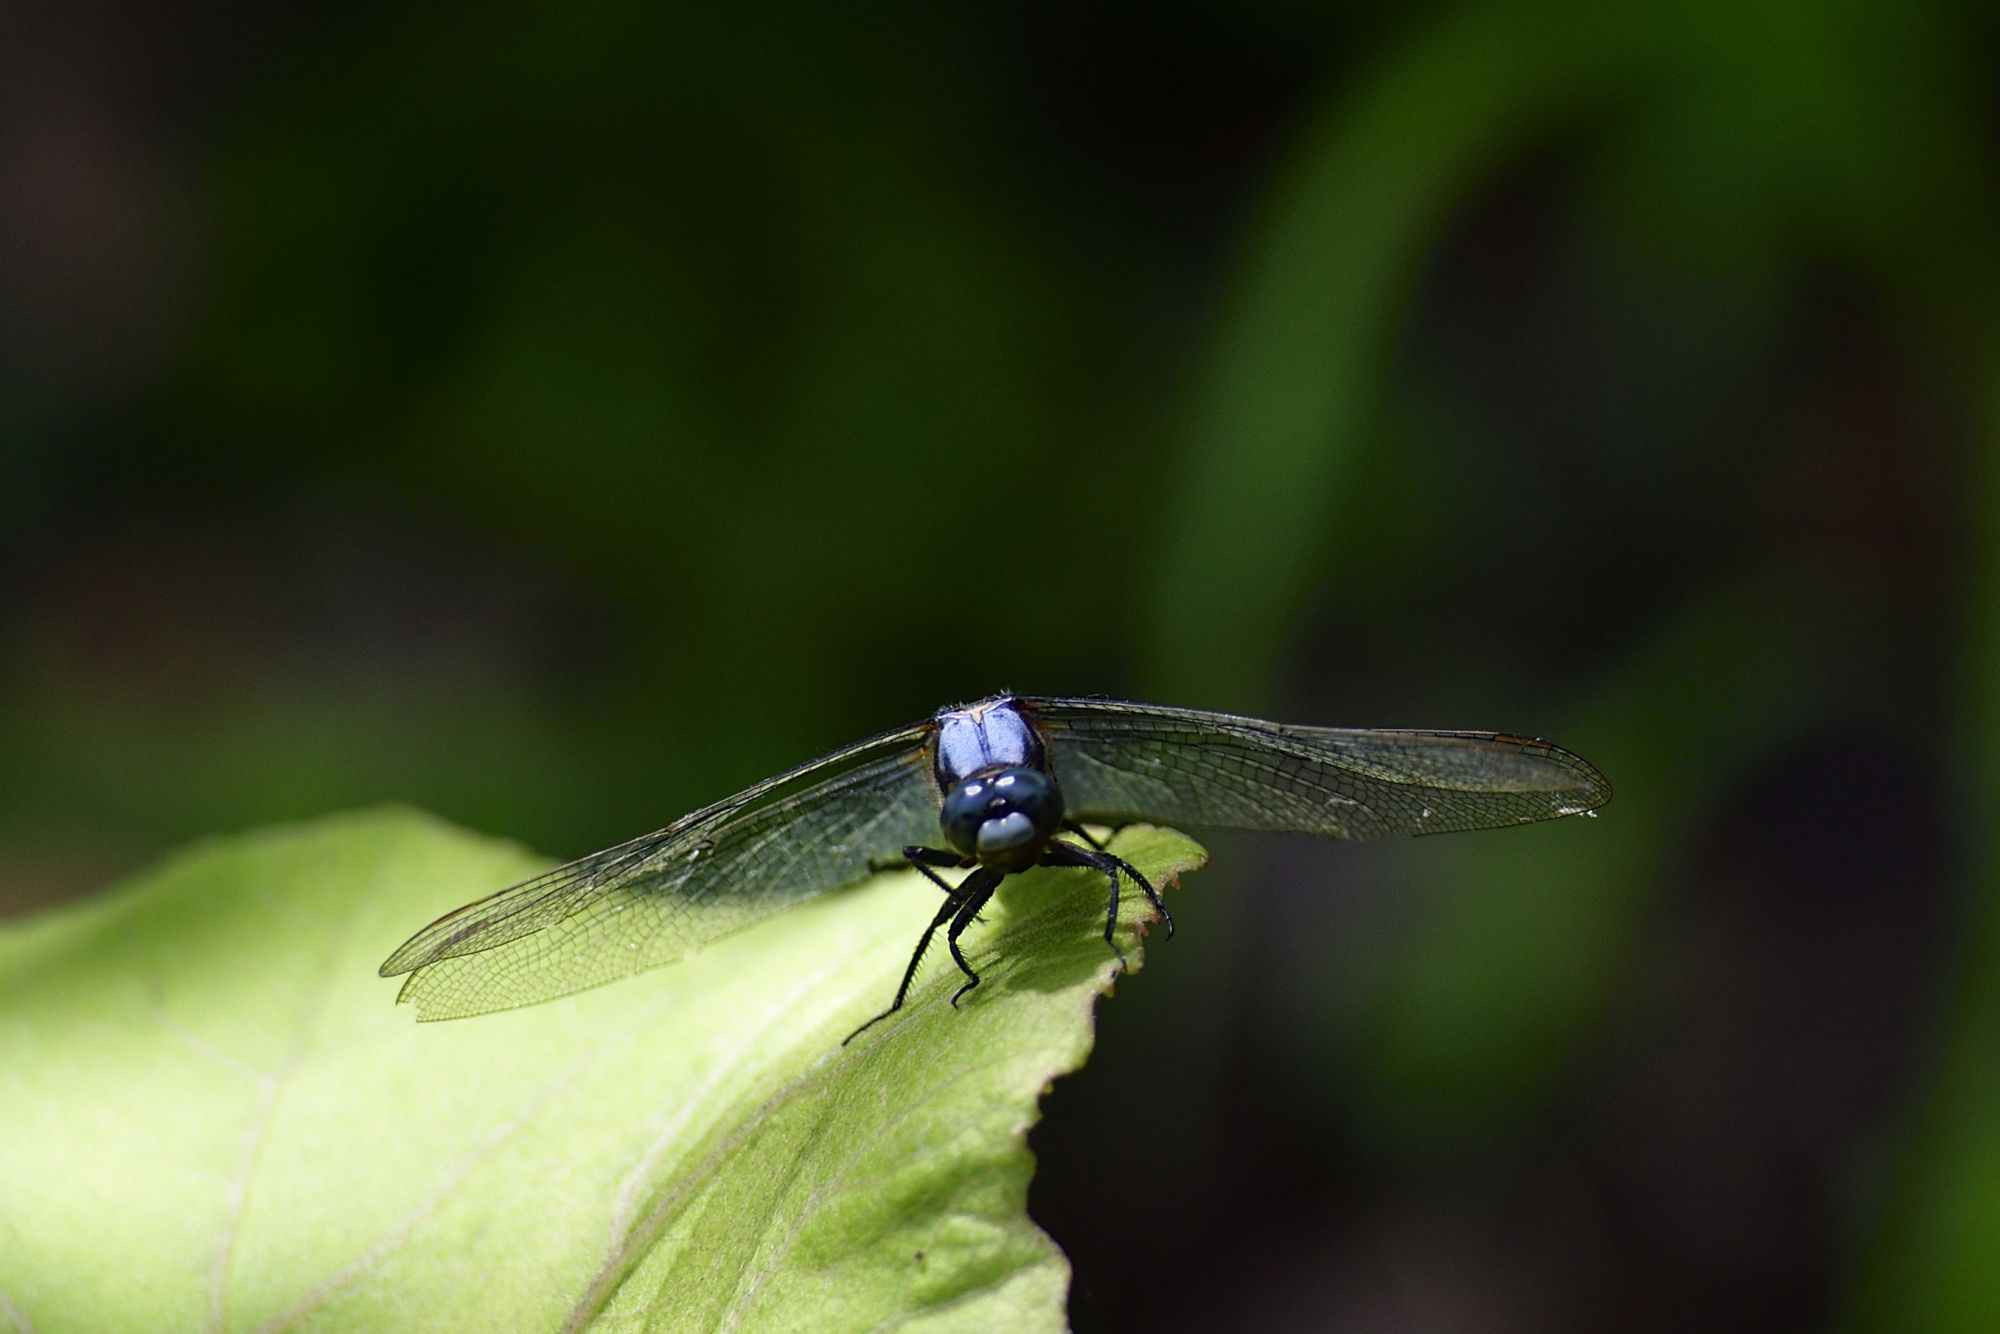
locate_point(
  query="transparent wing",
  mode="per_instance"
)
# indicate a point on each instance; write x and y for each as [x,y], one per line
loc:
[1118,761]
[652,900]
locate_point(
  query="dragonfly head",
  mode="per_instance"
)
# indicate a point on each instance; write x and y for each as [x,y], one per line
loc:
[1003,817]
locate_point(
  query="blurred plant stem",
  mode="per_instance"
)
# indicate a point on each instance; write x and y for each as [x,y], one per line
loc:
[1324,279]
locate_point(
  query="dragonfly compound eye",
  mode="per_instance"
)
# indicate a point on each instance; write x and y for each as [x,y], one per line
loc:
[1003,818]
[964,807]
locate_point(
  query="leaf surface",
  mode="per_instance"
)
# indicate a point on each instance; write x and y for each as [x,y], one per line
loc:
[217,1118]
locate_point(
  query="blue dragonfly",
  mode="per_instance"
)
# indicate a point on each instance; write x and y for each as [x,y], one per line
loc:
[1004,784]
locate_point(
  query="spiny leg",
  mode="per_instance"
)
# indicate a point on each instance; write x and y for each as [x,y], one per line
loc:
[1146,888]
[978,888]
[1059,853]
[944,912]
[925,858]
[1073,827]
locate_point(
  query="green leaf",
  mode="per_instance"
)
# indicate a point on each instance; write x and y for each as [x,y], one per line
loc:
[215,1115]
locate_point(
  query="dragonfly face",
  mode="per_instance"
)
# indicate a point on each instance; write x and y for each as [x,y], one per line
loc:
[1002,817]
[1001,805]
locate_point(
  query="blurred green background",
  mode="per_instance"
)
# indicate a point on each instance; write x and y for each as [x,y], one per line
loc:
[561,419]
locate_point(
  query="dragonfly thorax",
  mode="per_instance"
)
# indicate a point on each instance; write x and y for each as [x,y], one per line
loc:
[1002,817]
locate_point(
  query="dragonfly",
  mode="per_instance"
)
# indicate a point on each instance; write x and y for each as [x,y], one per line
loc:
[1004,784]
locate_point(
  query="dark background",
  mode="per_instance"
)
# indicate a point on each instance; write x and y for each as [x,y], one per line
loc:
[562,419]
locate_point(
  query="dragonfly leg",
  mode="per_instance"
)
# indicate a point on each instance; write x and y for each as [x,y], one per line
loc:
[944,914]
[978,888]
[1084,834]
[1060,853]
[1110,863]
[1146,888]
[925,858]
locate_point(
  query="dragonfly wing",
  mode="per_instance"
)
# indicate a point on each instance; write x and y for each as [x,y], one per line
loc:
[658,898]
[1118,762]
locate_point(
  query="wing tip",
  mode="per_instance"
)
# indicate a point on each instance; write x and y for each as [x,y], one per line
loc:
[1587,796]
[405,959]
[1590,787]
[1597,788]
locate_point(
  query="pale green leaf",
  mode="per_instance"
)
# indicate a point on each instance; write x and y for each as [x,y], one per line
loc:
[215,1117]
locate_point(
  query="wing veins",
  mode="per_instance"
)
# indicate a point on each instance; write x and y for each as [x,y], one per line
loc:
[1120,760]
[482,925]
